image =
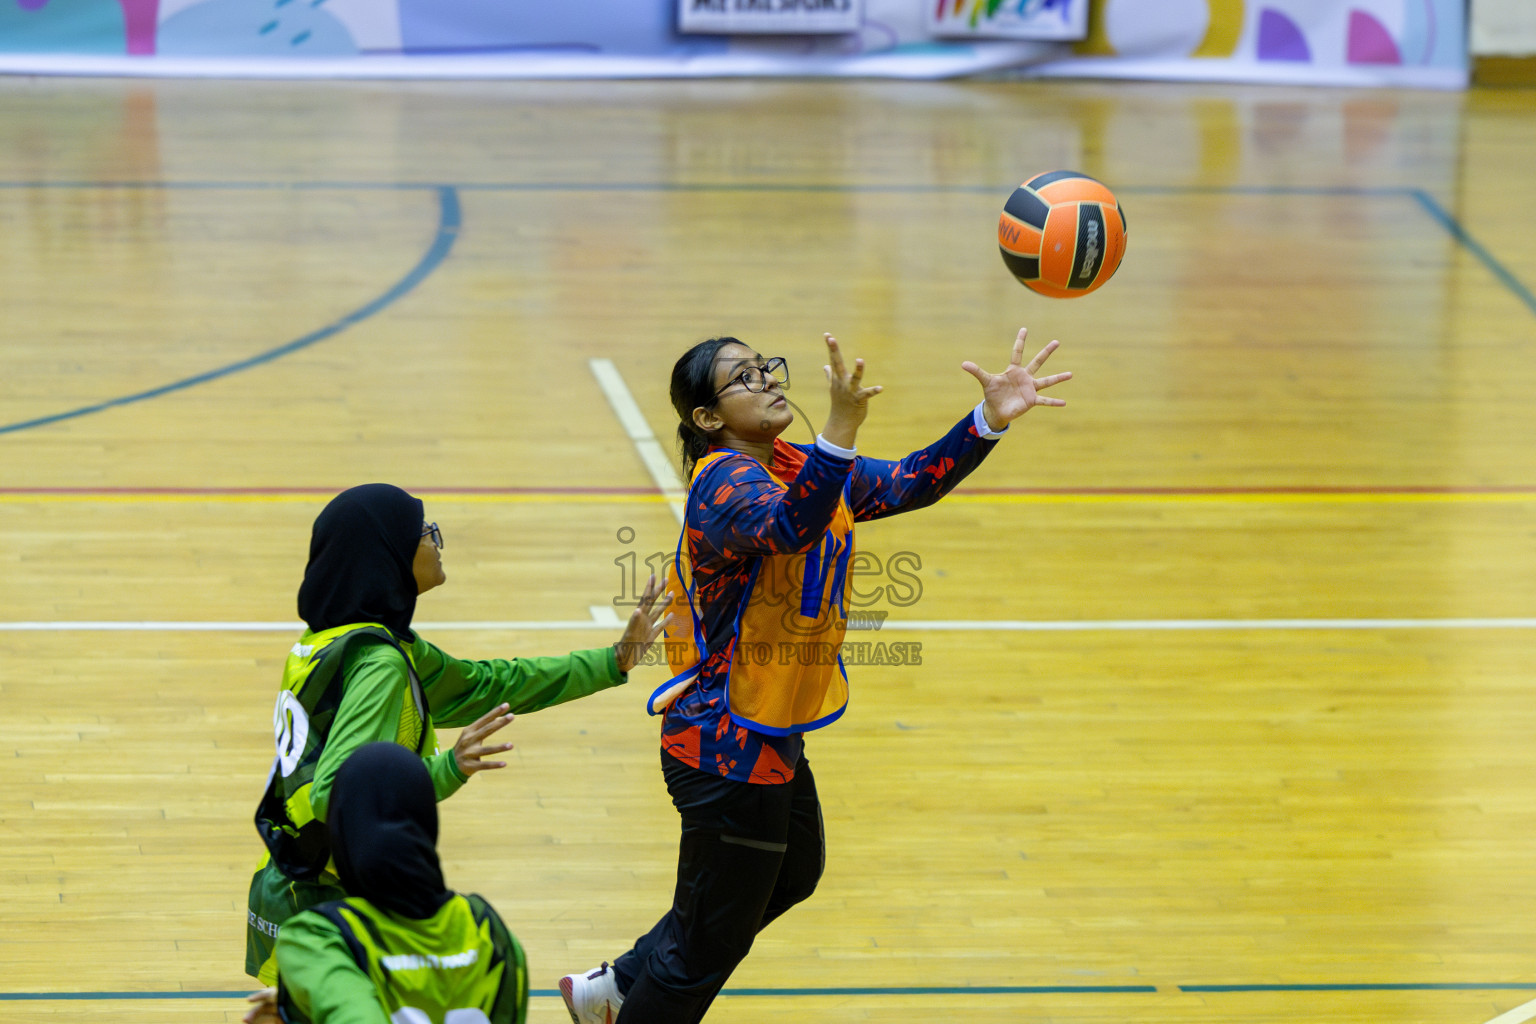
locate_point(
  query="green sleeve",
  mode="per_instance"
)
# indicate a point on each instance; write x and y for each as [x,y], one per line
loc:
[375,689]
[459,692]
[320,976]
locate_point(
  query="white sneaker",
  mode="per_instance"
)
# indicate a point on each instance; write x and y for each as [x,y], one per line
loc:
[592,998]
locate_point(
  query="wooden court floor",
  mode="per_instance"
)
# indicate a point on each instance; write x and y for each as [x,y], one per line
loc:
[1223,711]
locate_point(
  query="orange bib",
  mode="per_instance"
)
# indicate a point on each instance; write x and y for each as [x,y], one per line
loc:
[786,673]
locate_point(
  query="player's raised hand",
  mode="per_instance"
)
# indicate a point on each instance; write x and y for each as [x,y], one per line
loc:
[645,624]
[1015,391]
[850,398]
[469,752]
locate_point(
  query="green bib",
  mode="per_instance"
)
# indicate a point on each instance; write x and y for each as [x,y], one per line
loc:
[301,721]
[459,966]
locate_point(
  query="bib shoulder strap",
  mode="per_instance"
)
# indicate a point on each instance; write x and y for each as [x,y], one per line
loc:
[510,1005]
[333,656]
[331,911]
[329,659]
[485,914]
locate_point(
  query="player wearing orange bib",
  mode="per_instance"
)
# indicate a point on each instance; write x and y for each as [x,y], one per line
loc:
[760,606]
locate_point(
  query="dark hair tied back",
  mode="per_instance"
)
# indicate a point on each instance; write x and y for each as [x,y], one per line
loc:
[693,385]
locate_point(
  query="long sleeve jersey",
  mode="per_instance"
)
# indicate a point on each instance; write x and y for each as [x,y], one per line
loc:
[737,512]
[457,692]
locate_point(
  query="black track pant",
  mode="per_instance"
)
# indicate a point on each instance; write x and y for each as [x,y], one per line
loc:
[748,854]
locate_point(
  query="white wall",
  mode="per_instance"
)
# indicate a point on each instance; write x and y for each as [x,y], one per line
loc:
[1503,28]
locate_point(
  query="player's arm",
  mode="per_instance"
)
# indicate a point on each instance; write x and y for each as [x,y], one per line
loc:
[460,691]
[376,686]
[743,511]
[320,978]
[883,487]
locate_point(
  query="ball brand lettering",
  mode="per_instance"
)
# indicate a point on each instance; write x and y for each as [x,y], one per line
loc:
[1091,254]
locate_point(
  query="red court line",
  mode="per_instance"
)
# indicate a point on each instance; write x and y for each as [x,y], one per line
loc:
[318,491]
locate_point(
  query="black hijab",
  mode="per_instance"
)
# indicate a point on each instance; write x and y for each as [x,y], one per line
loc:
[360,556]
[383,831]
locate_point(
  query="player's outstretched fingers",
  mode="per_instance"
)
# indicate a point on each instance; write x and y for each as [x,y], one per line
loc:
[835,366]
[1041,356]
[1018,348]
[469,752]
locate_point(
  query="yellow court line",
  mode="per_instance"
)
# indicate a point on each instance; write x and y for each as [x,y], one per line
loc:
[1248,497]
[1236,497]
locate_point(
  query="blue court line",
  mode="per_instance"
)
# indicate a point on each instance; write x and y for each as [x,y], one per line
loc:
[1472,245]
[1409,986]
[451,216]
[941,990]
[449,219]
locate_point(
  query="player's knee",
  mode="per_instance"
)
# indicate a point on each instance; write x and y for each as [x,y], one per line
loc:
[802,887]
[703,966]
[797,882]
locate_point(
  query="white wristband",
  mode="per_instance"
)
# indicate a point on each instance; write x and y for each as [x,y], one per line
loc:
[846,454]
[982,426]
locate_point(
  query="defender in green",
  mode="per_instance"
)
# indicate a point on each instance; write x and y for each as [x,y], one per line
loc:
[403,948]
[360,675]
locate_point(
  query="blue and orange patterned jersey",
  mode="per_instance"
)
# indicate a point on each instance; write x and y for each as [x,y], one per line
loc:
[737,512]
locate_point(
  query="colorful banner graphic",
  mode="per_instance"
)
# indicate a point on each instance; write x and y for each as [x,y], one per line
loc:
[1365,42]
[770,17]
[1406,42]
[1009,19]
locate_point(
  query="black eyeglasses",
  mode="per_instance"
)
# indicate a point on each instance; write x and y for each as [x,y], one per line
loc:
[431,530]
[757,378]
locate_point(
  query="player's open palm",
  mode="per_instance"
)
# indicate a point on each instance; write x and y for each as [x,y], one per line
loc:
[1012,393]
[469,753]
[646,622]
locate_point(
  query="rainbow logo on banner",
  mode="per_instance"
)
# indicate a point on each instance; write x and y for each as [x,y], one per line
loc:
[989,8]
[1012,19]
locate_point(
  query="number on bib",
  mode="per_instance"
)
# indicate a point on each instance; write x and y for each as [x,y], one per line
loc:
[290,725]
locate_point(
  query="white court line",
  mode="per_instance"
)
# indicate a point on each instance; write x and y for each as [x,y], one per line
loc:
[605,614]
[1523,1012]
[1132,625]
[604,621]
[639,431]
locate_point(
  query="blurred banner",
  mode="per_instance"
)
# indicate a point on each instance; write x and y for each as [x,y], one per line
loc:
[1023,19]
[770,17]
[1415,43]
